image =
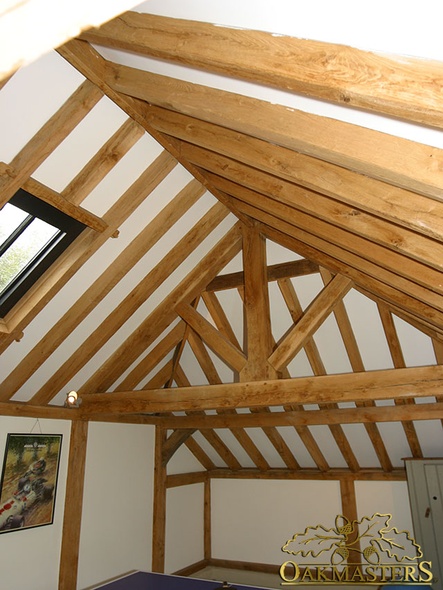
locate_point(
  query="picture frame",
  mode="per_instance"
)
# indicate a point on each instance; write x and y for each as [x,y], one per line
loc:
[29,481]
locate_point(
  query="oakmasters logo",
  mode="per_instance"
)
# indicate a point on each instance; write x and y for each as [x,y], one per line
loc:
[367,551]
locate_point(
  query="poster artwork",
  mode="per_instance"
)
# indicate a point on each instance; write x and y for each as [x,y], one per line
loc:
[29,481]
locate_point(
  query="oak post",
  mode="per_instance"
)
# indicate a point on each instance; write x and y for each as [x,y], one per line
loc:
[258,339]
[349,511]
[207,536]
[73,506]
[159,513]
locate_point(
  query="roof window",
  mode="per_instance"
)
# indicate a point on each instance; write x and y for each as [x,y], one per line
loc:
[33,234]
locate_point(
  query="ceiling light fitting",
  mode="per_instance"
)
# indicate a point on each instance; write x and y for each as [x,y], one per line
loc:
[72,400]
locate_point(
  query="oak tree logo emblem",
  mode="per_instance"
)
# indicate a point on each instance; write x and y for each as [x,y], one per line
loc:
[371,537]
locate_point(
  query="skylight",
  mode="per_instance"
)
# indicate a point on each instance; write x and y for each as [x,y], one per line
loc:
[32,235]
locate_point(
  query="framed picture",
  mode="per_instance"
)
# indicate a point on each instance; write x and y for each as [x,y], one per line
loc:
[29,481]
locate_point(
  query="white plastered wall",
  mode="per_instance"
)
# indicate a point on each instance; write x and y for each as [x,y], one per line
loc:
[386,497]
[252,519]
[184,544]
[184,526]
[29,558]
[116,534]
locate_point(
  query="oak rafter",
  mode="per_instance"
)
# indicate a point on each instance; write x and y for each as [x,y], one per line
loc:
[392,159]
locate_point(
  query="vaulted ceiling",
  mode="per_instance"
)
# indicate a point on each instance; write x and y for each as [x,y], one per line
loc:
[262,279]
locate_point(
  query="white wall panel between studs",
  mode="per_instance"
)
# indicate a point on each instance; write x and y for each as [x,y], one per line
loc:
[385,497]
[253,519]
[184,527]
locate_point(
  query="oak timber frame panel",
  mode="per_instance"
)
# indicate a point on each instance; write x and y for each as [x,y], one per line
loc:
[163,482]
[162,98]
[156,116]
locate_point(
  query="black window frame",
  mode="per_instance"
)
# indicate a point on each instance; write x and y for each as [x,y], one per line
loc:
[70,229]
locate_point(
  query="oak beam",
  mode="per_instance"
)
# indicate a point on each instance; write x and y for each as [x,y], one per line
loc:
[222,449]
[155,357]
[291,417]
[350,343]
[350,516]
[4,81]
[214,307]
[328,71]
[306,474]
[207,520]
[76,254]
[160,377]
[296,268]
[376,385]
[176,374]
[313,355]
[301,417]
[140,292]
[274,436]
[399,362]
[199,454]
[412,275]
[166,266]
[185,479]
[36,411]
[58,201]
[213,439]
[212,376]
